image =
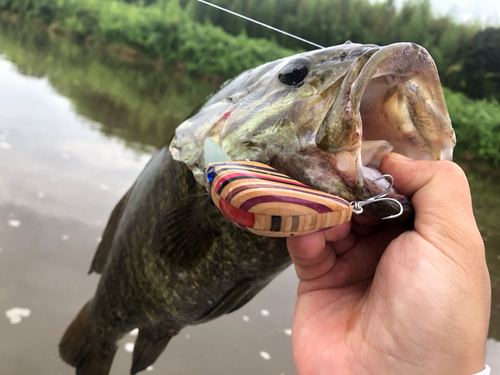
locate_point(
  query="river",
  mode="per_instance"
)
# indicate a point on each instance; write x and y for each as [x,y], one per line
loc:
[77,125]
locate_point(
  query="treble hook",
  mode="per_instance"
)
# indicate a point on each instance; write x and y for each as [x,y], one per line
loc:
[357,206]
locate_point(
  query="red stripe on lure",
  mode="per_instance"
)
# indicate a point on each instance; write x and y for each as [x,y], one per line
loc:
[236,215]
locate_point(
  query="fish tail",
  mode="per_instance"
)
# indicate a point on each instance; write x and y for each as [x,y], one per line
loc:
[148,347]
[76,350]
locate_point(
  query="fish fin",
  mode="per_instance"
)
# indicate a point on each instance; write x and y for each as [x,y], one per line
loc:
[76,350]
[148,347]
[242,293]
[96,363]
[252,292]
[184,233]
[102,252]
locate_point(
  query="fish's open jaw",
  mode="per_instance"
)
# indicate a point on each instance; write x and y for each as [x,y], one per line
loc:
[401,106]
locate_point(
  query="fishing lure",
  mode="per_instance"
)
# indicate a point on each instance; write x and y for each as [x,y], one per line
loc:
[264,201]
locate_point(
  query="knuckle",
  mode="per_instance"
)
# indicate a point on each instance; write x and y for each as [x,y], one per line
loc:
[450,167]
[451,171]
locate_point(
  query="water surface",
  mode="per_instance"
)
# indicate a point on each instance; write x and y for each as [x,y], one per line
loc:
[77,125]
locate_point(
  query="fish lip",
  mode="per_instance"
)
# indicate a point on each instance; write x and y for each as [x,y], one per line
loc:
[406,53]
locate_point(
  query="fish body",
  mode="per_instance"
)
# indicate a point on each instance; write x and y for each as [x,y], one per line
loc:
[168,258]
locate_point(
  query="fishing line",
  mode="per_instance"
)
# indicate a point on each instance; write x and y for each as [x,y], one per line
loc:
[260,23]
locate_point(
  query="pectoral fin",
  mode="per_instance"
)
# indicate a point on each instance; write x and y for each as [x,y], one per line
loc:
[149,345]
[185,232]
[242,293]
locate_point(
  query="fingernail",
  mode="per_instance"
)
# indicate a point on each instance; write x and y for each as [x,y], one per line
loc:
[399,157]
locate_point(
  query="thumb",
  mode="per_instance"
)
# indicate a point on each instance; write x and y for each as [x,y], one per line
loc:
[441,197]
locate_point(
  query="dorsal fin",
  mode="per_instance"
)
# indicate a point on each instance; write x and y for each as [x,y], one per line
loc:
[102,252]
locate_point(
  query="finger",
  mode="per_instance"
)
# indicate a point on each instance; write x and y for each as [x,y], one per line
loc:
[345,244]
[312,254]
[337,233]
[356,264]
[441,197]
[412,175]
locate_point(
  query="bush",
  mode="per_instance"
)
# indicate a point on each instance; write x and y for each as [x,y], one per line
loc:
[477,124]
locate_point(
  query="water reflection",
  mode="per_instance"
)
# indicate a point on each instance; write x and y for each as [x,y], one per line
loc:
[136,101]
[76,127]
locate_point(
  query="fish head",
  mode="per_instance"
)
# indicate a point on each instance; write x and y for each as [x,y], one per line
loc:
[327,118]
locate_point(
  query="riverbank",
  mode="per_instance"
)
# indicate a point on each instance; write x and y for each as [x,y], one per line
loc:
[164,32]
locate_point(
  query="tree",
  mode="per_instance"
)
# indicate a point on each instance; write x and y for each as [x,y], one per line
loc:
[481,67]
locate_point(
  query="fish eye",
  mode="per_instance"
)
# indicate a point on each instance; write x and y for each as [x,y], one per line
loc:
[294,73]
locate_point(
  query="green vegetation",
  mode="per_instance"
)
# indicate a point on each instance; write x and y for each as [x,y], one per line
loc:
[164,31]
[182,29]
[482,62]
[477,125]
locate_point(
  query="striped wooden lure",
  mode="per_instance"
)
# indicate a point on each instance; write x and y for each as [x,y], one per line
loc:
[264,201]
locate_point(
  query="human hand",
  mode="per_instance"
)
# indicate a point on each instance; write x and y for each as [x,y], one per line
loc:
[376,299]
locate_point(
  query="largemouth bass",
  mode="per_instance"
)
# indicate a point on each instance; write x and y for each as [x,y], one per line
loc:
[168,258]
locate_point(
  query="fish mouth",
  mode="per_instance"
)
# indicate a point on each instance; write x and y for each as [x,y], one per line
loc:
[402,105]
[390,101]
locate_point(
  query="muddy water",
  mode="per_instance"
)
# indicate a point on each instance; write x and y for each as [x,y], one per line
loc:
[77,125]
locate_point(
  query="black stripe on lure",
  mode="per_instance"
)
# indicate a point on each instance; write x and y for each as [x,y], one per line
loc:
[264,201]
